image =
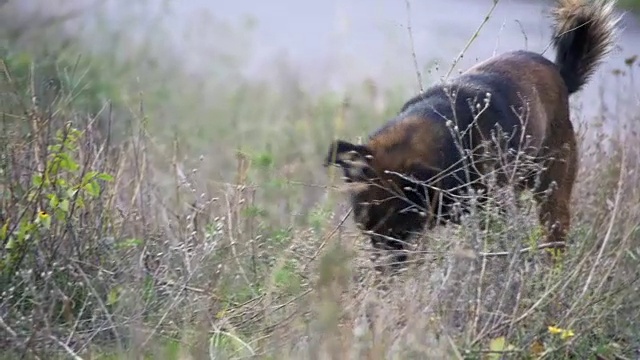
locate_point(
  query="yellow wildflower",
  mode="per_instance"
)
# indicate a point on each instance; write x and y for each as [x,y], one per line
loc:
[44,219]
[555,330]
[566,334]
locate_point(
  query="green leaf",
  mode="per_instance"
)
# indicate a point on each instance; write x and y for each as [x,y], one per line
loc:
[11,244]
[71,193]
[129,243]
[64,205]
[497,346]
[54,148]
[92,188]
[105,177]
[60,214]
[113,295]
[4,231]
[53,200]
[89,176]
[61,182]
[36,180]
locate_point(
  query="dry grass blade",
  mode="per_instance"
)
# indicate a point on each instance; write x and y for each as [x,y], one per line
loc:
[472,39]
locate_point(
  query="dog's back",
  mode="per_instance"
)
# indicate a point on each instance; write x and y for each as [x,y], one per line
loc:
[506,90]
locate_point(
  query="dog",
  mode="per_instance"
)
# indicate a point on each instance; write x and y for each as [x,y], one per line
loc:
[412,172]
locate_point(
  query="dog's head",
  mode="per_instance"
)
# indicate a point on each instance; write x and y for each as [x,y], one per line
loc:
[388,200]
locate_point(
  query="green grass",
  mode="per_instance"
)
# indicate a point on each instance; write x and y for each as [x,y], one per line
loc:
[210,228]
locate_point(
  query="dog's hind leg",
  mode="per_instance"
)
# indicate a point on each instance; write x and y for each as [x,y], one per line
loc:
[554,189]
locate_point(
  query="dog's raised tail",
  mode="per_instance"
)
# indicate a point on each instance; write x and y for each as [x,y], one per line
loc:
[584,34]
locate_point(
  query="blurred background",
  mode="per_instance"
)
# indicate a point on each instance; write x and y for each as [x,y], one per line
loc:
[319,45]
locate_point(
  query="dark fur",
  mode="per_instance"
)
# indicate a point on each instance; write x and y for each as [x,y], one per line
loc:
[418,143]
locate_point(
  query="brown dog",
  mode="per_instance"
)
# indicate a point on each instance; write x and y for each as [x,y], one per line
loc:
[425,161]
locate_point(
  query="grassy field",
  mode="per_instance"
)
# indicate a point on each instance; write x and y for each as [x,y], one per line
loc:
[146,222]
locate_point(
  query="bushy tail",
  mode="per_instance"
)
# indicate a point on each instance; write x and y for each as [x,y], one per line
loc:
[584,34]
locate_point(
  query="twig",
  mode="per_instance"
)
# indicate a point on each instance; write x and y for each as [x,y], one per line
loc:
[173,304]
[483,268]
[614,213]
[525,250]
[526,38]
[454,348]
[413,49]
[616,208]
[66,348]
[218,332]
[473,38]
[290,301]
[232,242]
[7,328]
[541,298]
[326,238]
[186,287]
[102,306]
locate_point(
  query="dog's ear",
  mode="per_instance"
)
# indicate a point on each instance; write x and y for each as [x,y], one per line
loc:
[355,160]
